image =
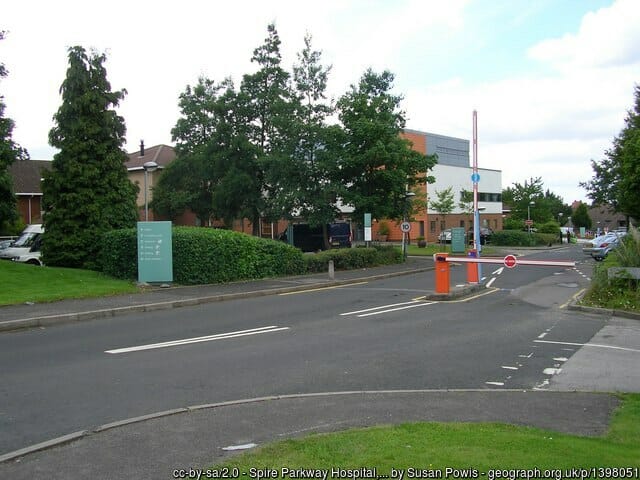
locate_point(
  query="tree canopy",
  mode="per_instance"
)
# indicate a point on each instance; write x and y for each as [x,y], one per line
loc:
[87,191]
[9,152]
[267,149]
[616,178]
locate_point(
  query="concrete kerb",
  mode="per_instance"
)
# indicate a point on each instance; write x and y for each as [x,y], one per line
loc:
[72,437]
[574,306]
[42,321]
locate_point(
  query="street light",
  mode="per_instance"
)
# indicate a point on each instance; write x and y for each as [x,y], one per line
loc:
[148,167]
[531,204]
[407,196]
[560,215]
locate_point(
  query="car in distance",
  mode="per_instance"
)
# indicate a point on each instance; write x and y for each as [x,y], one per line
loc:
[445,236]
[610,242]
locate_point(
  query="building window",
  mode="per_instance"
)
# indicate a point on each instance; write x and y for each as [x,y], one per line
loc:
[462,223]
[421,226]
[442,225]
[432,226]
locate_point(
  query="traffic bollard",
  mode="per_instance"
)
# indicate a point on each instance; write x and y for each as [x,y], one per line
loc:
[442,273]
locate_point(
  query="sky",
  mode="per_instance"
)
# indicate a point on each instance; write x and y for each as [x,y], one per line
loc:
[551,80]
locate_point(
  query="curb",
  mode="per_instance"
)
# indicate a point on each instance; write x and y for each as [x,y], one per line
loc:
[614,312]
[72,437]
[58,319]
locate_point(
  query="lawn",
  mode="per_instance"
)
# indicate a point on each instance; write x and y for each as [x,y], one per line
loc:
[481,447]
[29,283]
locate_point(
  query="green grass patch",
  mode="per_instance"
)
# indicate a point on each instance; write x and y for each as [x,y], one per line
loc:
[437,446]
[29,283]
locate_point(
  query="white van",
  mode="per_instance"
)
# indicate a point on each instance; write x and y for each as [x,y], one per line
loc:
[27,247]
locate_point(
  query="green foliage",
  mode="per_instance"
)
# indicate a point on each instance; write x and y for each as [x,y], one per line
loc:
[519,238]
[204,255]
[622,293]
[550,227]
[87,191]
[9,152]
[444,204]
[383,228]
[546,205]
[14,228]
[513,223]
[377,166]
[352,258]
[616,179]
[581,218]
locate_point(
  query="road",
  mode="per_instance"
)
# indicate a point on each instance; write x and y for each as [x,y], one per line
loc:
[378,335]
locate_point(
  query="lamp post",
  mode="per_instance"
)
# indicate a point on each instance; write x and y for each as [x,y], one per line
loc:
[148,167]
[407,196]
[531,204]
[560,215]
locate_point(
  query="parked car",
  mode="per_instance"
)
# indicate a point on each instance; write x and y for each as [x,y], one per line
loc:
[445,236]
[610,242]
[485,235]
[30,237]
[309,239]
[587,249]
[5,244]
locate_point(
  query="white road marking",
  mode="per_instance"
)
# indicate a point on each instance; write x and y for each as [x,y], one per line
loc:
[509,368]
[208,338]
[561,359]
[490,282]
[551,371]
[498,271]
[590,345]
[542,335]
[378,308]
[526,356]
[499,384]
[246,446]
[417,304]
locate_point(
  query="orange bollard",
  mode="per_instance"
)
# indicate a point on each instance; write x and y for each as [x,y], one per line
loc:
[472,268]
[442,273]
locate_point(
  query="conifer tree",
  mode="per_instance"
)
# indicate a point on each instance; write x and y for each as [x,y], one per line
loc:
[87,192]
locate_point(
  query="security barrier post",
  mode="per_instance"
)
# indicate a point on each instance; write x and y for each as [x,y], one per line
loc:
[472,268]
[442,273]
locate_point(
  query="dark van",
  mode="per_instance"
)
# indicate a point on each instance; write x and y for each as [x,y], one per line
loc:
[309,239]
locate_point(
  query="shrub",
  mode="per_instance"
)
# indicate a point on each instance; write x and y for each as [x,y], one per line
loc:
[353,258]
[518,238]
[202,255]
[552,228]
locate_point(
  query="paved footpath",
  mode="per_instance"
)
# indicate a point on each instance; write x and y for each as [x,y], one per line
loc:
[197,436]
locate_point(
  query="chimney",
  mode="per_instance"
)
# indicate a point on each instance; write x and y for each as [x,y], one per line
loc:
[142,148]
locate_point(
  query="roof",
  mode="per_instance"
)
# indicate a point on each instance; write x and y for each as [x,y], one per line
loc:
[163,155]
[26,175]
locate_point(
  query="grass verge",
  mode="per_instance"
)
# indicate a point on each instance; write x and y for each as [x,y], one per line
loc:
[29,283]
[437,446]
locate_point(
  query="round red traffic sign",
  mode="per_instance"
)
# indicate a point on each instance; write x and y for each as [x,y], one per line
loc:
[510,261]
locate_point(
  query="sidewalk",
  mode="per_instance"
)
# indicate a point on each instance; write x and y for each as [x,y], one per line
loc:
[14,317]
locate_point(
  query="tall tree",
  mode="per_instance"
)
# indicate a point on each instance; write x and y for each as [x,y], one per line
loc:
[616,179]
[520,196]
[580,217]
[267,93]
[443,203]
[307,179]
[9,152]
[187,182]
[377,167]
[87,192]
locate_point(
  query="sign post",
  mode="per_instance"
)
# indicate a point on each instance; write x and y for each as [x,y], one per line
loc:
[155,253]
[367,227]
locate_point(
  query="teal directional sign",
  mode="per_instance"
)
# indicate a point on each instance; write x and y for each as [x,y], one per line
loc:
[155,253]
[458,240]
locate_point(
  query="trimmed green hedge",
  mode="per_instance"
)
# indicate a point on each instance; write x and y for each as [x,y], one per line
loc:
[352,258]
[518,238]
[204,255]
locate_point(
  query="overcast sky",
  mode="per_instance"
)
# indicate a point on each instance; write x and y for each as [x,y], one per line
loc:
[551,80]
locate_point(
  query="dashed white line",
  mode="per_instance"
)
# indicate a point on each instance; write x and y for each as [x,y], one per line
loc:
[509,368]
[417,304]
[542,335]
[498,384]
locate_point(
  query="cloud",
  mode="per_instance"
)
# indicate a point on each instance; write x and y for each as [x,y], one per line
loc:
[607,37]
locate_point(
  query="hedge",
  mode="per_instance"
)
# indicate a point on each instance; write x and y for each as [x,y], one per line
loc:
[518,238]
[352,258]
[204,255]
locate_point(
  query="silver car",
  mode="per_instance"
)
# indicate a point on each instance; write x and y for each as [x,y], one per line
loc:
[606,244]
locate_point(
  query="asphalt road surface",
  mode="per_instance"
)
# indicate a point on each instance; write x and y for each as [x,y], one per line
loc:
[379,335]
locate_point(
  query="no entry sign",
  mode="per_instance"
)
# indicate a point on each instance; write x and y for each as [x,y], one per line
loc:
[510,261]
